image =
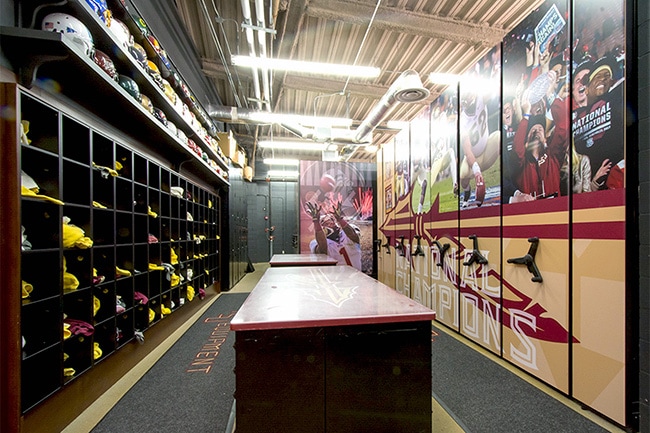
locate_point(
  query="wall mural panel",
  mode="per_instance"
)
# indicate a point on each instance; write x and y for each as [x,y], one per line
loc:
[522,206]
[535,212]
[420,206]
[598,203]
[336,199]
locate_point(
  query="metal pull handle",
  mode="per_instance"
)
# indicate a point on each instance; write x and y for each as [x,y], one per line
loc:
[418,248]
[387,245]
[476,254]
[529,260]
[378,245]
[400,246]
[442,249]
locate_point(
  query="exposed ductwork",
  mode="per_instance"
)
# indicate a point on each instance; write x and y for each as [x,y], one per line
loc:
[406,89]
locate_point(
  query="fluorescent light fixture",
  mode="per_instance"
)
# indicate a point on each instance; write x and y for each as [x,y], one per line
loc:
[473,84]
[444,78]
[307,67]
[397,124]
[268,117]
[371,148]
[279,161]
[282,173]
[293,145]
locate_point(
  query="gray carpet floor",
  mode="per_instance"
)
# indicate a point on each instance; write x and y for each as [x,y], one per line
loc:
[484,397]
[191,387]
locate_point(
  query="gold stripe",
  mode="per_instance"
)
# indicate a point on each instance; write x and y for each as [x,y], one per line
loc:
[481,222]
[536,219]
[605,214]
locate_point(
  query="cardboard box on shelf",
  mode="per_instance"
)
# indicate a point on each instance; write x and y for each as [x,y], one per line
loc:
[249,173]
[228,144]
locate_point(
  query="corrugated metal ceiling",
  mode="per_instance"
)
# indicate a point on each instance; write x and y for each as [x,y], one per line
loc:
[422,35]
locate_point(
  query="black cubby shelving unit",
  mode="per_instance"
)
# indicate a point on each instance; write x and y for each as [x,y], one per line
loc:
[146,214]
[124,189]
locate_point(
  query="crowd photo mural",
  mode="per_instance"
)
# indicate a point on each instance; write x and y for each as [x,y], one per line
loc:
[336,217]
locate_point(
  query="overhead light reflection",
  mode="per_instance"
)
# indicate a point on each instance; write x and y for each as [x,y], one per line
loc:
[307,67]
[279,161]
[293,145]
[282,173]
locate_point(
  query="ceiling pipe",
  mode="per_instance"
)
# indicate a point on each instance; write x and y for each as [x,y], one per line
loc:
[246,11]
[407,88]
[261,41]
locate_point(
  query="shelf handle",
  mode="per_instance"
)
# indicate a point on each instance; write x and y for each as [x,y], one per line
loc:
[400,246]
[442,249]
[387,245]
[476,257]
[529,260]
[418,248]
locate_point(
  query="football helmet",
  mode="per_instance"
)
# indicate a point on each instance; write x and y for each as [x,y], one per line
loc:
[69,25]
[184,91]
[142,25]
[480,192]
[181,135]
[169,91]
[105,62]
[160,115]
[101,9]
[174,79]
[139,54]
[154,43]
[146,103]
[130,86]
[165,64]
[153,71]
[172,128]
[121,32]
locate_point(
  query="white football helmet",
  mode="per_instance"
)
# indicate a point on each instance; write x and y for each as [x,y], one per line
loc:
[71,26]
[121,32]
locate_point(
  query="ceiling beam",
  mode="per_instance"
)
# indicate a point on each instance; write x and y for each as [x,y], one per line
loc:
[403,21]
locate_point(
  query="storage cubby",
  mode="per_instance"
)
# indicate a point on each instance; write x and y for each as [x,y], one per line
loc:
[79,265]
[109,168]
[42,327]
[78,350]
[124,323]
[41,221]
[43,125]
[105,336]
[43,169]
[75,141]
[104,302]
[41,376]
[41,269]
[124,195]
[124,157]
[76,183]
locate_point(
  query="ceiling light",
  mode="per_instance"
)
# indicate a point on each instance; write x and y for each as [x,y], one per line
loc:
[307,67]
[372,148]
[444,78]
[268,117]
[397,124]
[282,173]
[293,145]
[279,161]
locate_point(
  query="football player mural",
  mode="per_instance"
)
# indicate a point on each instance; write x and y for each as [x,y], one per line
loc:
[336,200]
